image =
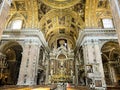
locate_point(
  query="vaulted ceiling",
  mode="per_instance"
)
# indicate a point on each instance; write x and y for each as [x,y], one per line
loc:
[60,19]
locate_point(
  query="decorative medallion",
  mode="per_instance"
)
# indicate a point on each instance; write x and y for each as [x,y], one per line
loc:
[60,4]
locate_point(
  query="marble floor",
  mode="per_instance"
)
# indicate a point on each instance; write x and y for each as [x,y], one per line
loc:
[41,88]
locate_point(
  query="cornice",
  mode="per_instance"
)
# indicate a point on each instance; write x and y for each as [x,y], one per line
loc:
[95,34]
[25,34]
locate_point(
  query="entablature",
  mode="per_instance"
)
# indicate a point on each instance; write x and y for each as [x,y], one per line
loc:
[34,35]
[95,34]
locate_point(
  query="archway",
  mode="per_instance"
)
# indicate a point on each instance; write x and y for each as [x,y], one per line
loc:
[111,62]
[13,54]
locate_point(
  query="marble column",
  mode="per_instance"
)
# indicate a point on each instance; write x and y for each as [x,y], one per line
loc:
[29,64]
[93,64]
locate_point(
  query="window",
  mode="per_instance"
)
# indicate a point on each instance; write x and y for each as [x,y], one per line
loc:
[16,24]
[107,23]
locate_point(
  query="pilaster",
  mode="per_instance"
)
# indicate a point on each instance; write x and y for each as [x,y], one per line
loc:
[29,64]
[76,72]
[93,65]
[47,72]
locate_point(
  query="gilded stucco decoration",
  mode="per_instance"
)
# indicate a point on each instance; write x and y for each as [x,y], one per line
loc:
[60,4]
[61,18]
[80,8]
[61,24]
[42,9]
[18,5]
[102,11]
[60,58]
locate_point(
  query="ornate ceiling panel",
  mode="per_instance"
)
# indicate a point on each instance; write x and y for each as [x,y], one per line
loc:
[80,8]
[61,18]
[60,4]
[42,9]
[18,5]
[61,23]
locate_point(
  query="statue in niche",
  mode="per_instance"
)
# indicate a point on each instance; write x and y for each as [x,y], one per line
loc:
[62,43]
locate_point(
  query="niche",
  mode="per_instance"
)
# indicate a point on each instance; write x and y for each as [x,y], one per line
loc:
[61,42]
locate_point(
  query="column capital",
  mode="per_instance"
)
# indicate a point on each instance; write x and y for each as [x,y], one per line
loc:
[91,41]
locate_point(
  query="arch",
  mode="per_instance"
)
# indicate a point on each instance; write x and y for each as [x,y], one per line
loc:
[109,48]
[61,56]
[15,16]
[103,15]
[111,59]
[106,41]
[13,52]
[8,45]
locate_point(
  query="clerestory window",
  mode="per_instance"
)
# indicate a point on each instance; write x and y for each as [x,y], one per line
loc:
[16,24]
[107,23]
